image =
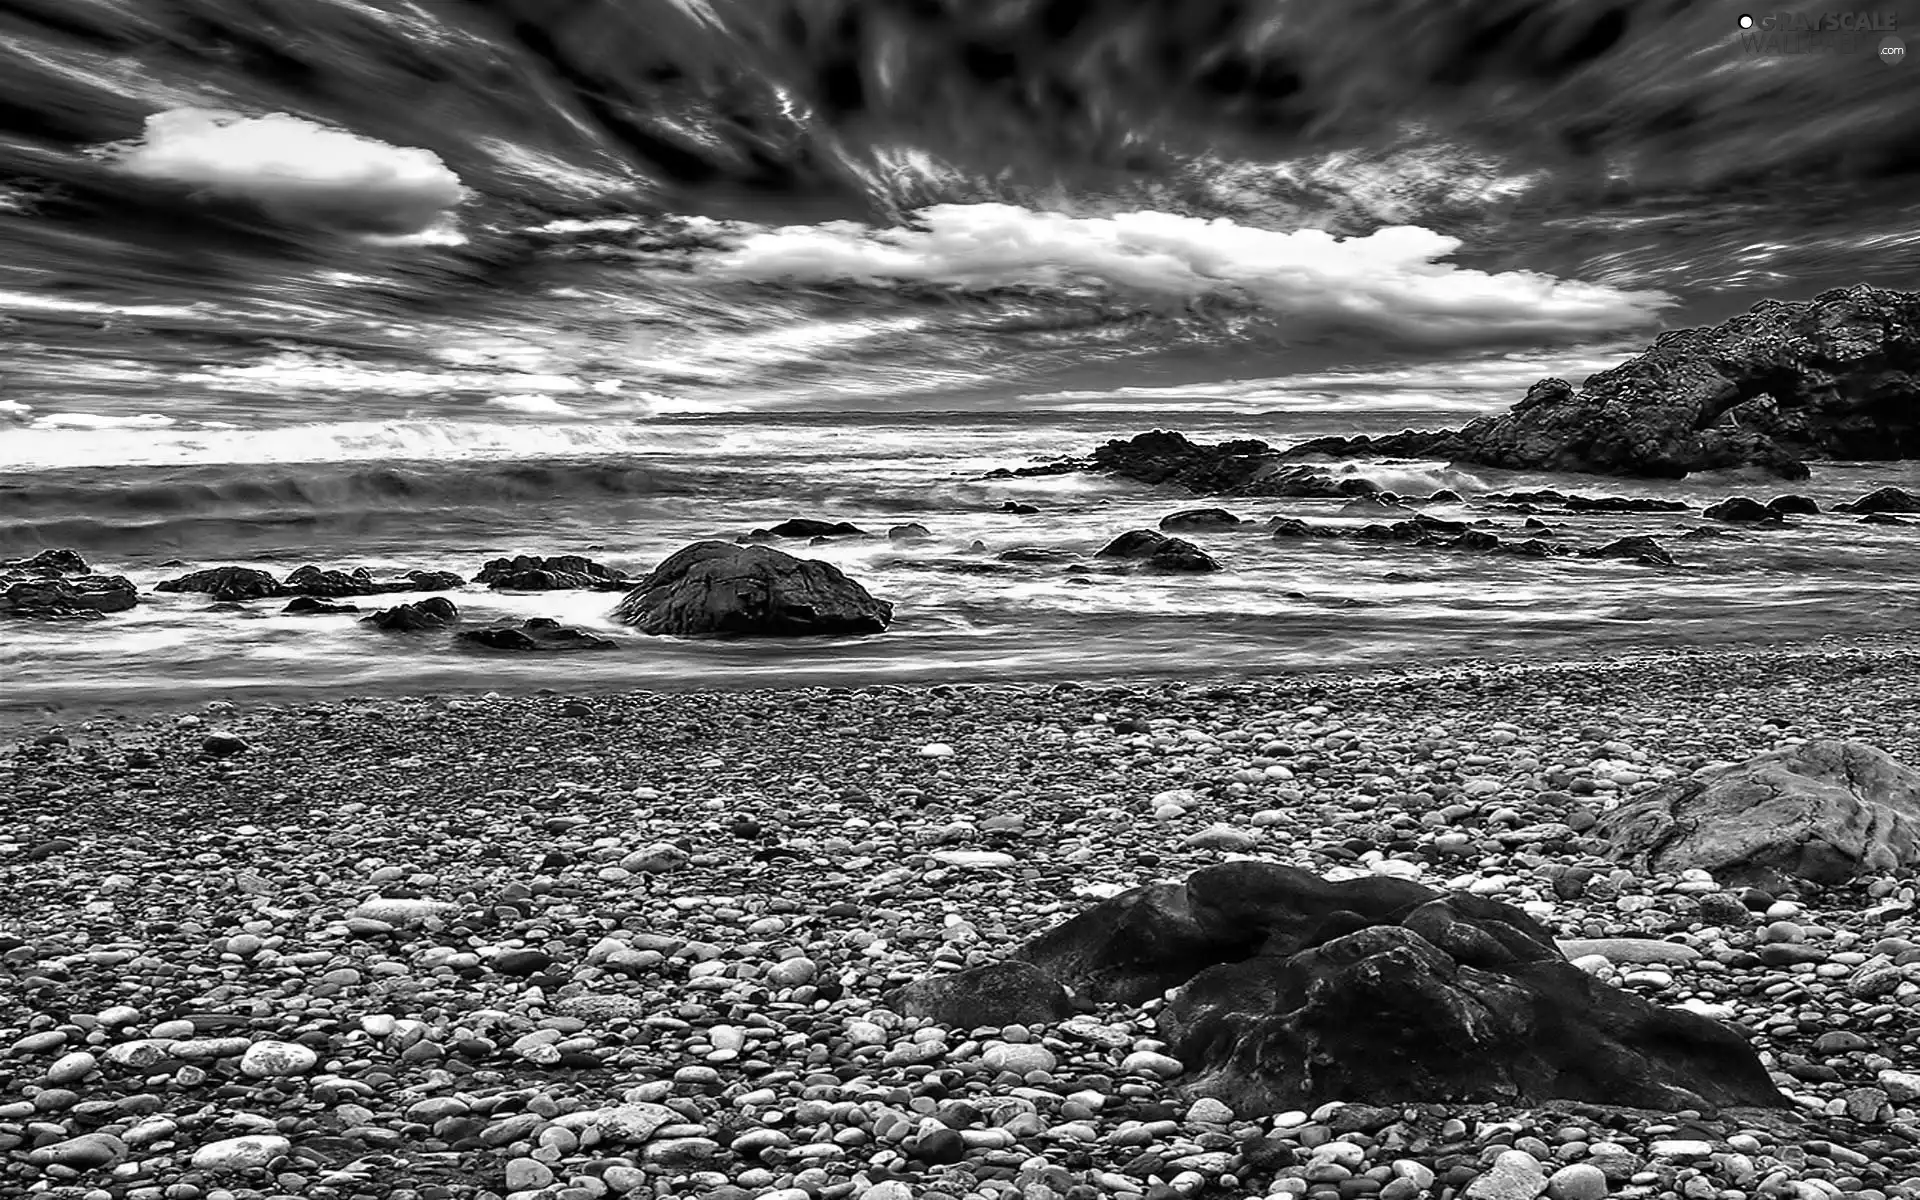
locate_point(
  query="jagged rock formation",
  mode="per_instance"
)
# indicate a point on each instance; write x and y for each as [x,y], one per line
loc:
[1825,812]
[1294,990]
[1155,551]
[1829,378]
[531,573]
[535,634]
[727,589]
[59,585]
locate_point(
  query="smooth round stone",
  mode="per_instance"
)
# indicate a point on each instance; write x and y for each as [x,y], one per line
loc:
[1639,951]
[1515,1175]
[87,1152]
[1150,1062]
[277,1060]
[974,858]
[1018,1060]
[72,1068]
[1208,1111]
[792,972]
[936,750]
[528,1174]
[1578,1181]
[249,1153]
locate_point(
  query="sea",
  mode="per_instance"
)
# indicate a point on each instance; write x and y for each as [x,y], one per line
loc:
[391,285]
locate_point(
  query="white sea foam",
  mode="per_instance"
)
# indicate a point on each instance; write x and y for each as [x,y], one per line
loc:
[1390,283]
[298,169]
[103,421]
[533,403]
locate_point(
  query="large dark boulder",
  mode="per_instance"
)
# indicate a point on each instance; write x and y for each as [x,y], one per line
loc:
[1245,467]
[1827,812]
[1829,378]
[226,584]
[1155,551]
[531,573]
[332,585]
[1794,505]
[1293,990]
[724,589]
[535,634]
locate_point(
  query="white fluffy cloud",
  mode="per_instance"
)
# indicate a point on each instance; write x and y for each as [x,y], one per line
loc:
[1390,283]
[298,170]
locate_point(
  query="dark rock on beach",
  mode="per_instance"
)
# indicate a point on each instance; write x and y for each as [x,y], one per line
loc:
[1036,554]
[726,589]
[911,532]
[1155,551]
[435,612]
[226,584]
[1794,505]
[1246,467]
[1003,993]
[529,573]
[536,634]
[1294,990]
[1827,812]
[1829,378]
[1019,508]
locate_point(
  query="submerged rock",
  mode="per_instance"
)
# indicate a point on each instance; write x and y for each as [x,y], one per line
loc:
[808,527]
[726,589]
[1885,500]
[536,634]
[1199,518]
[1827,811]
[1294,990]
[309,606]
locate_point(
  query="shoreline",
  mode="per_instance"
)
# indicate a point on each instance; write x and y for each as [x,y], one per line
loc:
[703,897]
[20,719]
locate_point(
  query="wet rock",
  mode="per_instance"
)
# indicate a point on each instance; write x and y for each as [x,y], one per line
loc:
[226,584]
[309,606]
[725,589]
[1036,554]
[807,527]
[48,563]
[435,612]
[536,634]
[249,1153]
[1155,551]
[1885,500]
[531,573]
[1744,511]
[1199,518]
[1637,548]
[911,532]
[1794,505]
[54,596]
[1827,811]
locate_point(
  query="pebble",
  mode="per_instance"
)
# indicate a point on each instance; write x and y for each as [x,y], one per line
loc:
[277,1060]
[249,1152]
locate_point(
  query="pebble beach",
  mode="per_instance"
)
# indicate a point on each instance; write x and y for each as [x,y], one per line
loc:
[566,947]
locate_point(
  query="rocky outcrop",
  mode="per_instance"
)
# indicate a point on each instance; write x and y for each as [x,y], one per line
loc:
[535,634]
[1293,990]
[808,527]
[1244,467]
[1824,812]
[530,573]
[59,585]
[332,584]
[435,612]
[1155,551]
[56,597]
[1003,993]
[1830,378]
[226,584]
[727,589]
